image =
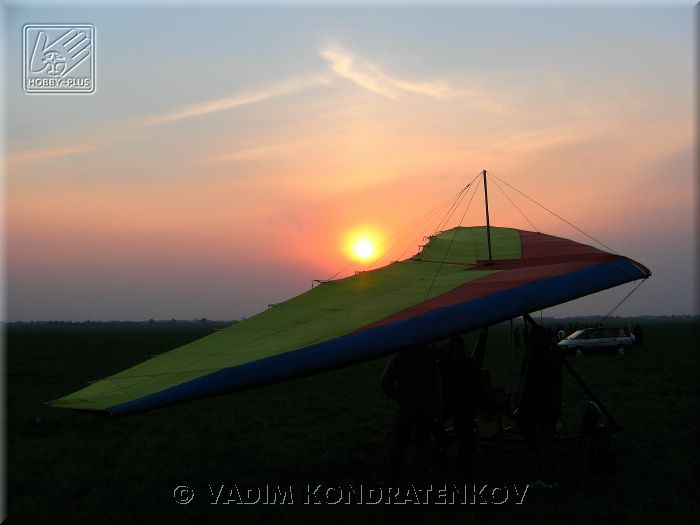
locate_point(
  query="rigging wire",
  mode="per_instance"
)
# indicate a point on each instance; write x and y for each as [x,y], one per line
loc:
[514,205]
[450,211]
[449,247]
[496,179]
[445,217]
[448,216]
[456,201]
[555,214]
[422,225]
[476,189]
[640,283]
[422,218]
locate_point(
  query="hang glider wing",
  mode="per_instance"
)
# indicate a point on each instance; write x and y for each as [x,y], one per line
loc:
[449,287]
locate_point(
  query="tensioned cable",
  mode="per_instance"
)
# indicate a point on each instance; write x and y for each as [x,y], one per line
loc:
[449,247]
[445,218]
[396,240]
[515,205]
[443,222]
[450,211]
[476,189]
[448,216]
[600,321]
[478,185]
[555,214]
[422,218]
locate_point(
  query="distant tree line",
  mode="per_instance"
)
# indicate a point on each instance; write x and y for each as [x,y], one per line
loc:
[202,322]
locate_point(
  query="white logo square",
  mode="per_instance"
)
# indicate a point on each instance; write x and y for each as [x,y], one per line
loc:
[59,58]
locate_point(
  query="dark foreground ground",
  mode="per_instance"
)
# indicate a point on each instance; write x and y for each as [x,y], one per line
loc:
[333,429]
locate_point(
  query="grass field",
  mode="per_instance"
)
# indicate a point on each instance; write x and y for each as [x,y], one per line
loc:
[333,428]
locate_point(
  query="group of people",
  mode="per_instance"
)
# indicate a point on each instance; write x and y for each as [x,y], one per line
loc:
[430,391]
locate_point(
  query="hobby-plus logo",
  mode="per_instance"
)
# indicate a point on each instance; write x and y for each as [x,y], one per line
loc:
[59,58]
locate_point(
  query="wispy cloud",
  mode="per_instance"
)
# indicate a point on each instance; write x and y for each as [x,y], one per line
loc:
[234,101]
[343,63]
[531,142]
[369,76]
[45,153]
[246,154]
[127,129]
[266,152]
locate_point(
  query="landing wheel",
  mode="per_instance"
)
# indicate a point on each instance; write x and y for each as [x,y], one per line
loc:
[621,351]
[579,352]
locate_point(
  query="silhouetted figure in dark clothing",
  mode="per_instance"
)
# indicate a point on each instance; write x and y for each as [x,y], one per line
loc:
[540,396]
[638,333]
[462,389]
[412,379]
[442,440]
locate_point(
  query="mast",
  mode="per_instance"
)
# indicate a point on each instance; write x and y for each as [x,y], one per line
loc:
[488,224]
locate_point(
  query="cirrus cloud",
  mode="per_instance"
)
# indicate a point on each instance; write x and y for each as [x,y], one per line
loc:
[369,76]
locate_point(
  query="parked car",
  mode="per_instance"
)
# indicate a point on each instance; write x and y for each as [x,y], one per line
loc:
[598,339]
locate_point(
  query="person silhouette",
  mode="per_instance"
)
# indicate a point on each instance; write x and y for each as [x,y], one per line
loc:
[412,379]
[462,393]
[638,333]
[540,397]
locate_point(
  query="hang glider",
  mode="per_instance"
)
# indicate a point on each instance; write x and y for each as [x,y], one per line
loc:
[448,288]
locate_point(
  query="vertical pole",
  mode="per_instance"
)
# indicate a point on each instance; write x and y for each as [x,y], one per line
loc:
[614,425]
[488,223]
[512,373]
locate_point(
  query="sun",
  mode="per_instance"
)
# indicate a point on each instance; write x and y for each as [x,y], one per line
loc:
[362,244]
[364,248]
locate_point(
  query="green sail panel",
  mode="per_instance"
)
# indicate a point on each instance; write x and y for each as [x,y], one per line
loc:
[327,312]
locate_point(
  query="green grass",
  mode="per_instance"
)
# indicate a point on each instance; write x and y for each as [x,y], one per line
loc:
[331,428]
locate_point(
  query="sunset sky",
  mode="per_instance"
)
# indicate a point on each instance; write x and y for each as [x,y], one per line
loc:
[229,153]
